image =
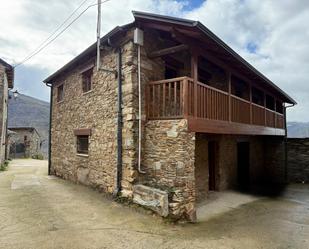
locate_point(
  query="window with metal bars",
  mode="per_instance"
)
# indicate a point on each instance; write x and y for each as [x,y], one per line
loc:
[82,144]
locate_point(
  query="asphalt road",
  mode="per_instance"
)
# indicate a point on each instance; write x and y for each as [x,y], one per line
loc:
[38,211]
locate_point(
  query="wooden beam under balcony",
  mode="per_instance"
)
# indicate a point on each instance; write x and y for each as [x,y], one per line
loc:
[170,50]
[223,127]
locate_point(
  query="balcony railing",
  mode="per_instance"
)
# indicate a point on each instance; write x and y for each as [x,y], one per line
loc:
[174,98]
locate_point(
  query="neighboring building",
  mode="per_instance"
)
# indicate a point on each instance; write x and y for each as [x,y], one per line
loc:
[24,142]
[210,121]
[6,83]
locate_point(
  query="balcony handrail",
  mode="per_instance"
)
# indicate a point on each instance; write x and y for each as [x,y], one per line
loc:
[169,80]
[257,105]
[185,99]
[212,88]
[241,99]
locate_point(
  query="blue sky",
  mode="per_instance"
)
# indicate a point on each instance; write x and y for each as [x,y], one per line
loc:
[271,35]
[192,4]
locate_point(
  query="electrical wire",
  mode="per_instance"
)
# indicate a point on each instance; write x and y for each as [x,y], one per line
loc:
[54,32]
[35,52]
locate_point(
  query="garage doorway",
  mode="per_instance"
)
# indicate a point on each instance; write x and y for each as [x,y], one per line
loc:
[243,164]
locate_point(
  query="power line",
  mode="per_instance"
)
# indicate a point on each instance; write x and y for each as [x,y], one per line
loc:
[54,32]
[62,31]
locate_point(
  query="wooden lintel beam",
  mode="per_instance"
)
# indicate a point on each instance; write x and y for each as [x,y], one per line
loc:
[166,51]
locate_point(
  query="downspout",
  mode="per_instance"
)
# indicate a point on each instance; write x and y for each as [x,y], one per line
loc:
[50,125]
[286,145]
[119,124]
[139,110]
[6,130]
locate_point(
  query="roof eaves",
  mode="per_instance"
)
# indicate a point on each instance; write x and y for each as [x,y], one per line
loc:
[9,71]
[157,17]
[216,39]
[210,34]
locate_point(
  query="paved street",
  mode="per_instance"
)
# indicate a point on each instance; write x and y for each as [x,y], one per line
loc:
[38,211]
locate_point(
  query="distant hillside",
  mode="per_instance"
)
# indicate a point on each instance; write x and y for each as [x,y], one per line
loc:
[27,111]
[298,129]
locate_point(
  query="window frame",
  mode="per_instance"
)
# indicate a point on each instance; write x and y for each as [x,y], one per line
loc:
[79,150]
[87,77]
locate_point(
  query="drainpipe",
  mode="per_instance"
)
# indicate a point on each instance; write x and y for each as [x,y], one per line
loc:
[119,125]
[286,145]
[139,110]
[50,125]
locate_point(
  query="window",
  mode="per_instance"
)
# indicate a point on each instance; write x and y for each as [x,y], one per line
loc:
[60,93]
[82,144]
[87,80]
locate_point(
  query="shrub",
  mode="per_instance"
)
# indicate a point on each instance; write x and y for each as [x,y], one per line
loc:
[38,156]
[4,166]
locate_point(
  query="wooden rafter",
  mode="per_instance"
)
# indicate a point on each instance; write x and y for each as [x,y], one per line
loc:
[170,50]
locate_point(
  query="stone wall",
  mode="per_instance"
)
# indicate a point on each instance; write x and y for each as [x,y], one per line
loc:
[31,144]
[226,161]
[3,112]
[96,110]
[201,166]
[169,164]
[274,162]
[298,159]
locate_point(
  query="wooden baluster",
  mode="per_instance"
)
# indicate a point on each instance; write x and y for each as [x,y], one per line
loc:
[185,98]
[163,105]
[147,89]
[159,100]
[153,100]
[181,98]
[175,98]
[230,101]
[169,99]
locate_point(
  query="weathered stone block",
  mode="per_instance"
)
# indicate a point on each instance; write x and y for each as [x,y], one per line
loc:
[82,175]
[154,199]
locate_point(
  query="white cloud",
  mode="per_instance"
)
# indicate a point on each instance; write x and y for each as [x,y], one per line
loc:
[279,30]
[276,30]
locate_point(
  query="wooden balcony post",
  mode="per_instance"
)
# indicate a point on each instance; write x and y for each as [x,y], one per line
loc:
[185,99]
[194,76]
[230,90]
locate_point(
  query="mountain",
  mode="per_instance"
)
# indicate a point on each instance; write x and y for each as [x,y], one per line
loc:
[298,129]
[28,111]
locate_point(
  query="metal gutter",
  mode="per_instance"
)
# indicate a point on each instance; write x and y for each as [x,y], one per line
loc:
[286,145]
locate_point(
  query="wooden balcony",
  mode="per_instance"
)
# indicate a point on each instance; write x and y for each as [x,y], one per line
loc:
[210,110]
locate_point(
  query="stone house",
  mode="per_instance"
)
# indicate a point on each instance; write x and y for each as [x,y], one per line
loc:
[24,142]
[6,83]
[171,114]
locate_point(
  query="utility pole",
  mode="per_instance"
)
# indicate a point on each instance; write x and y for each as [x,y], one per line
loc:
[98,34]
